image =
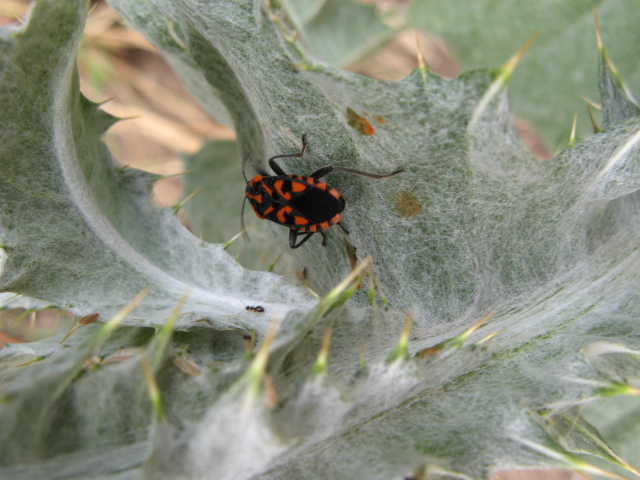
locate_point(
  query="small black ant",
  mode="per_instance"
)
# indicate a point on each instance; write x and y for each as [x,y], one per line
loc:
[257,308]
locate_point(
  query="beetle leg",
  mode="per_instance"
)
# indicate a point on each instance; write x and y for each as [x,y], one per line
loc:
[259,170]
[276,168]
[343,229]
[293,235]
[322,172]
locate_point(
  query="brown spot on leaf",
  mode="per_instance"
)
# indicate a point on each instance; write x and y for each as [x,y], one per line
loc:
[353,257]
[351,253]
[87,319]
[301,275]
[407,204]
[359,123]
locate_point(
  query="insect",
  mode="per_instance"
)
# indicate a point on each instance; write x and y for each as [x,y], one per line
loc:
[257,308]
[303,204]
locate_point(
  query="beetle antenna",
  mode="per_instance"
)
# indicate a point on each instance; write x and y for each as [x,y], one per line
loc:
[368,175]
[244,162]
[242,228]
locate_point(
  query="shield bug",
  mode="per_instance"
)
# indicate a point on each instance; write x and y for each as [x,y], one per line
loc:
[303,204]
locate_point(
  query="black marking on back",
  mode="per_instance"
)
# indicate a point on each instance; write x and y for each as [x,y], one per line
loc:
[317,205]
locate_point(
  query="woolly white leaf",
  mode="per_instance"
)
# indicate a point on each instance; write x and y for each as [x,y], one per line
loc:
[104,241]
[473,224]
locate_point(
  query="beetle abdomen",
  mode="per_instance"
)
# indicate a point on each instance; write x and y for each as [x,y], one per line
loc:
[300,203]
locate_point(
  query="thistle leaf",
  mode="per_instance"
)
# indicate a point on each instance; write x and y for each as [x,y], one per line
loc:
[473,225]
[558,73]
[104,241]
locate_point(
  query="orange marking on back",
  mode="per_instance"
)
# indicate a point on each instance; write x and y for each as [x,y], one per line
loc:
[278,184]
[322,185]
[267,189]
[324,225]
[334,193]
[298,187]
[300,220]
[282,212]
[269,210]
[336,218]
[313,228]
[256,179]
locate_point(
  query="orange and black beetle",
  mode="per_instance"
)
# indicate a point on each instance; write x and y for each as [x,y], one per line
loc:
[303,204]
